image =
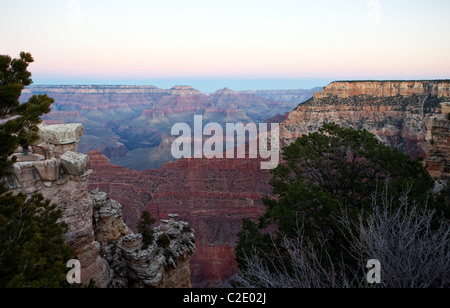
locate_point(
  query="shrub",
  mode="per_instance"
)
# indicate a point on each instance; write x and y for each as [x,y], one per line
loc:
[412,253]
[145,228]
[163,241]
[322,174]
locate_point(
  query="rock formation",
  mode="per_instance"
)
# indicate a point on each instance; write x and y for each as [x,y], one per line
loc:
[129,263]
[396,112]
[107,218]
[124,121]
[212,195]
[94,221]
[384,89]
[438,138]
[67,187]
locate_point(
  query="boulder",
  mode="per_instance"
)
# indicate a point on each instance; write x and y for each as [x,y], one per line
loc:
[48,170]
[108,223]
[62,134]
[26,176]
[75,163]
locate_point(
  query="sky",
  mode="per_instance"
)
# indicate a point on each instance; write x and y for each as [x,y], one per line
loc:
[240,44]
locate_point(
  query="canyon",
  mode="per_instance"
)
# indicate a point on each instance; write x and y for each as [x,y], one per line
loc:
[131,123]
[397,113]
[214,195]
[211,195]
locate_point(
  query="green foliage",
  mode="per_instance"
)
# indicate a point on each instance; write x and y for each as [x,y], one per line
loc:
[21,123]
[145,228]
[321,174]
[32,249]
[163,241]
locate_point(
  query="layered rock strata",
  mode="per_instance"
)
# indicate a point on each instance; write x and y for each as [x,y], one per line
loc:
[163,264]
[212,195]
[94,221]
[438,138]
[345,89]
[397,113]
[64,182]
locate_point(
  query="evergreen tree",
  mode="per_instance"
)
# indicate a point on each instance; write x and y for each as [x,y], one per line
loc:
[32,249]
[145,228]
[323,173]
[18,122]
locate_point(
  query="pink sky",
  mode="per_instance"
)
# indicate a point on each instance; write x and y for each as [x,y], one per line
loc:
[101,40]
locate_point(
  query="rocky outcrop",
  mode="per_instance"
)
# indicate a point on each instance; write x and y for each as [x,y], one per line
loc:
[107,218]
[211,195]
[396,112]
[75,163]
[124,121]
[438,138]
[60,139]
[94,221]
[52,177]
[62,134]
[163,264]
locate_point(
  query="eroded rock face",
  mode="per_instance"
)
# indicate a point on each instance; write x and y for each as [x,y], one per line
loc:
[211,195]
[68,190]
[48,170]
[163,264]
[62,134]
[438,156]
[75,163]
[72,197]
[345,89]
[396,112]
[94,225]
[108,223]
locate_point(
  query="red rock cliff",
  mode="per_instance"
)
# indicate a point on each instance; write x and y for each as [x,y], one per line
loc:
[398,113]
[344,89]
[212,195]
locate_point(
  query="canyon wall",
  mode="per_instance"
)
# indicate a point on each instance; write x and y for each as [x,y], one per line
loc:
[398,113]
[211,195]
[383,89]
[214,195]
[127,122]
[438,138]
[109,253]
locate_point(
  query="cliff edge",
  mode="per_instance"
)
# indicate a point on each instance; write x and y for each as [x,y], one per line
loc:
[399,113]
[56,170]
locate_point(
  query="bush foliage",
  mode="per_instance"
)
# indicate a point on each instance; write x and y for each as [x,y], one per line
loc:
[323,173]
